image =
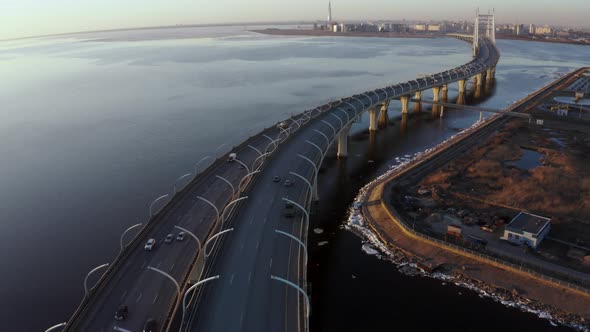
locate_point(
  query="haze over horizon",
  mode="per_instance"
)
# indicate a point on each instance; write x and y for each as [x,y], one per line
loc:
[26,18]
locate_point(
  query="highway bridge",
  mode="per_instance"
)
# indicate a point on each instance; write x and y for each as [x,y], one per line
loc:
[242,266]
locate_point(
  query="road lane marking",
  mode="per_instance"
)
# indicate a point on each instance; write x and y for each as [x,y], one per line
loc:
[251,220]
[124,293]
[159,263]
[172,268]
[116,328]
[138,298]
[257,244]
[241,320]
[249,277]
[242,246]
[142,265]
[270,265]
[231,280]
[155,298]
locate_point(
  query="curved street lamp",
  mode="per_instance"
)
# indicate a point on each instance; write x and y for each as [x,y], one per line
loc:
[325,137]
[125,232]
[339,119]
[214,237]
[315,168]
[167,276]
[233,190]
[296,240]
[220,147]
[330,125]
[312,189]
[301,208]
[230,204]
[241,163]
[56,326]
[307,304]
[191,234]
[198,163]
[154,202]
[180,178]
[255,149]
[345,112]
[88,275]
[210,204]
[247,176]
[259,157]
[184,307]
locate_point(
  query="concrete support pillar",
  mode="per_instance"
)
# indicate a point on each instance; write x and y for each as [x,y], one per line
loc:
[462,86]
[461,98]
[479,79]
[418,95]
[436,93]
[405,103]
[480,116]
[343,142]
[445,93]
[383,116]
[373,119]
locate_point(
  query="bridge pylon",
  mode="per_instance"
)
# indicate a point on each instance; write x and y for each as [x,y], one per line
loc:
[488,21]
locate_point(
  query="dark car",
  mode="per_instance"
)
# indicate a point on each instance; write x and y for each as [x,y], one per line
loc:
[121,313]
[150,325]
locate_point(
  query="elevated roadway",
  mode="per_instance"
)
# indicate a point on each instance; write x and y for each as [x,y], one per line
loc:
[261,263]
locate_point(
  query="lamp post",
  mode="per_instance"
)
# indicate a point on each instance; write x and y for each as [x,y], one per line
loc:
[88,275]
[177,180]
[241,163]
[198,163]
[307,303]
[125,232]
[210,204]
[330,125]
[188,291]
[214,237]
[167,276]
[245,177]
[191,234]
[233,190]
[154,202]
[54,327]
[230,204]
[301,208]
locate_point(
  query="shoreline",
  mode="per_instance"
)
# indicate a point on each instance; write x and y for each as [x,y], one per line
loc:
[409,262]
[325,33]
[377,222]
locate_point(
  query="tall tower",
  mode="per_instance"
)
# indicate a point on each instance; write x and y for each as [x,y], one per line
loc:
[329,11]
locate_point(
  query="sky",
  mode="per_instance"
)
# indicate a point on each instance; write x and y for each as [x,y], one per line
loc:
[21,18]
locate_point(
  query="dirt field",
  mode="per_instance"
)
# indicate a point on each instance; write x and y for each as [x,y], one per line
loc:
[524,167]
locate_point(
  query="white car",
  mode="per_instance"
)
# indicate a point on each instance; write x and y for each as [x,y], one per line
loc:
[180,236]
[150,244]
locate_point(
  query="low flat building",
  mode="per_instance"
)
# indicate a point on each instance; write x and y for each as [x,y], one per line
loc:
[527,229]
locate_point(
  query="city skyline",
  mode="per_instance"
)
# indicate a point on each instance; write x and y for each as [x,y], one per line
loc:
[30,18]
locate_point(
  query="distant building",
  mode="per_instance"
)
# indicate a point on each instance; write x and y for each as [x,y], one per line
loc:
[531,29]
[329,12]
[544,30]
[420,27]
[527,229]
[434,28]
